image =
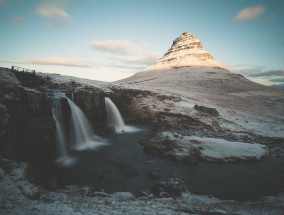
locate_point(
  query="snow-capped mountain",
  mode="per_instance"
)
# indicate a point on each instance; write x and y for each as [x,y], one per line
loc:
[186,50]
[188,67]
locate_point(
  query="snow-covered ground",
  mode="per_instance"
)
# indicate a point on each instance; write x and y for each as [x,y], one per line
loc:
[212,149]
[19,196]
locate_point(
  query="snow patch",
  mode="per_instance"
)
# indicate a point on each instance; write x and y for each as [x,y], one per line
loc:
[213,149]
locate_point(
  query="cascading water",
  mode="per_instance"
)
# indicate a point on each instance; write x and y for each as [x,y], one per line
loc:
[114,117]
[82,134]
[62,152]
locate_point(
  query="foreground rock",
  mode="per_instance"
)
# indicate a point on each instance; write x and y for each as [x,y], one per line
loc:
[192,149]
[20,196]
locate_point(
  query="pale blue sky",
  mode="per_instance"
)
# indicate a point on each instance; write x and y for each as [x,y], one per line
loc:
[111,39]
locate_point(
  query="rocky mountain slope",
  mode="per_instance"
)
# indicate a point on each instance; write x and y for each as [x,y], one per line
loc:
[188,72]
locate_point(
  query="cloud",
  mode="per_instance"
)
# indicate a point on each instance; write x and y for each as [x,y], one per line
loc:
[116,46]
[17,20]
[54,11]
[277,80]
[245,69]
[145,59]
[62,62]
[268,73]
[249,13]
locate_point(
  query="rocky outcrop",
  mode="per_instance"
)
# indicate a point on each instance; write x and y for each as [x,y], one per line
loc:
[207,110]
[92,102]
[28,125]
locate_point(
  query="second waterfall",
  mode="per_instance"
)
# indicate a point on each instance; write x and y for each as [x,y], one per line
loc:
[114,117]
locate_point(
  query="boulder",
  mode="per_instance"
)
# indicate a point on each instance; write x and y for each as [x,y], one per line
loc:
[207,110]
[172,187]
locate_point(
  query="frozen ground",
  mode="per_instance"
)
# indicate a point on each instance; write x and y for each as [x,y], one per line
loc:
[19,196]
[212,149]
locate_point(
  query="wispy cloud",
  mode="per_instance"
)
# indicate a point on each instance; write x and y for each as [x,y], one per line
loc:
[62,62]
[249,13]
[268,73]
[54,11]
[277,80]
[17,20]
[245,69]
[116,46]
[144,59]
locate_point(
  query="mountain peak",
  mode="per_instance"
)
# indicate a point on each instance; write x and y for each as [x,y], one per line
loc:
[186,50]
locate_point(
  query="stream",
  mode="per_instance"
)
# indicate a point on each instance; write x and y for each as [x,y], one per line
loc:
[122,165]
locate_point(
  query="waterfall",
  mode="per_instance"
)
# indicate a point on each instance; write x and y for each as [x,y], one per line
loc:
[82,134]
[114,117]
[62,153]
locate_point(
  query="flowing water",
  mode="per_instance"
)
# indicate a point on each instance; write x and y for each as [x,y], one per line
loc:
[82,133]
[120,164]
[60,135]
[113,115]
[115,119]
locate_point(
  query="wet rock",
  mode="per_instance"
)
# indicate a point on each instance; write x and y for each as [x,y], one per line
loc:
[165,195]
[30,132]
[4,123]
[207,110]
[85,191]
[54,197]
[123,196]
[30,191]
[92,102]
[172,187]
[145,193]
[100,194]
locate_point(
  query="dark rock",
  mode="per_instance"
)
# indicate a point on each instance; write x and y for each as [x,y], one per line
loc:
[33,195]
[100,194]
[207,110]
[173,187]
[4,122]
[165,195]
[30,132]
[163,147]
[145,193]
[176,135]
[123,196]
[92,102]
